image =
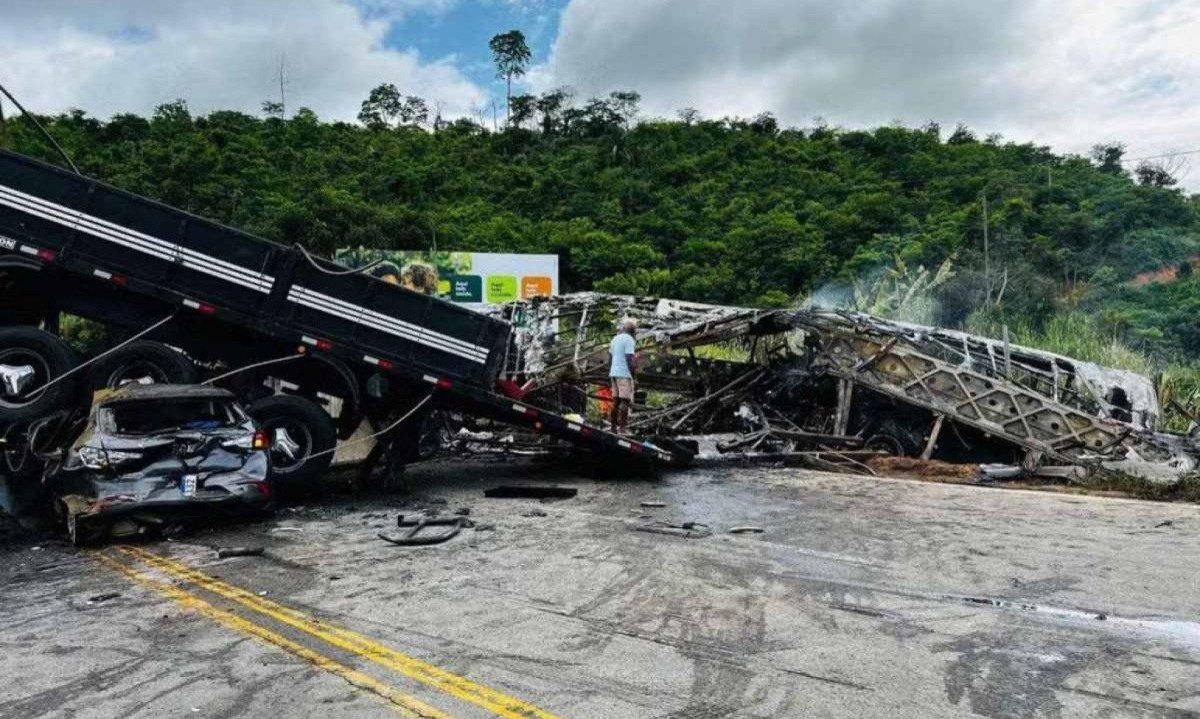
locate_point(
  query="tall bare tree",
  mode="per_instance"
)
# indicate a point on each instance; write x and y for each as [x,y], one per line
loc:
[511,55]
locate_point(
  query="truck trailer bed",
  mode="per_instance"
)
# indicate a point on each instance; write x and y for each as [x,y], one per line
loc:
[94,232]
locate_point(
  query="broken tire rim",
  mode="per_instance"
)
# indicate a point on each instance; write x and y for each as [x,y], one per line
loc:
[25,370]
[291,443]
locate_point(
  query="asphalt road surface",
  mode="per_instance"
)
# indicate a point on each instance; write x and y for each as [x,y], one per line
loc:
[861,598]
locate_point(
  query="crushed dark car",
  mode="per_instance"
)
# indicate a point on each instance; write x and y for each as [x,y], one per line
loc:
[152,458]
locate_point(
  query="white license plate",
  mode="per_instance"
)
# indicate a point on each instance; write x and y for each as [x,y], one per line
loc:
[188,484]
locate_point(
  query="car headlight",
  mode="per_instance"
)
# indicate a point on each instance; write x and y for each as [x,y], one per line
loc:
[99,458]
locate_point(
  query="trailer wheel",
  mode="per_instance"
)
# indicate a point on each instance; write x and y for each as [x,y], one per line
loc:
[20,464]
[296,429]
[30,358]
[144,362]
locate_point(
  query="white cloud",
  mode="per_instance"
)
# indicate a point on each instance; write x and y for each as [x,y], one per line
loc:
[130,55]
[1068,73]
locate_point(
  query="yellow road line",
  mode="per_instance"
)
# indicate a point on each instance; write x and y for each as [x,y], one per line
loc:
[494,701]
[406,705]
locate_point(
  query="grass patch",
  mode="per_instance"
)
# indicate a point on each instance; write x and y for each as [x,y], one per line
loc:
[1184,489]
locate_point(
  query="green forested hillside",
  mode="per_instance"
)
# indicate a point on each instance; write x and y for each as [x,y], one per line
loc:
[730,211]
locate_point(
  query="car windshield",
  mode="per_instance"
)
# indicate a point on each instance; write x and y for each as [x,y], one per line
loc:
[155,416]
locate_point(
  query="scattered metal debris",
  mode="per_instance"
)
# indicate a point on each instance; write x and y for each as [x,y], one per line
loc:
[416,536]
[690,530]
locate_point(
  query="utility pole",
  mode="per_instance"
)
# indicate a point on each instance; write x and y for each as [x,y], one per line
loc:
[282,85]
[987,261]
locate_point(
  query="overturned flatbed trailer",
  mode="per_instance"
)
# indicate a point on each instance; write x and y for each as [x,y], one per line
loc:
[71,244]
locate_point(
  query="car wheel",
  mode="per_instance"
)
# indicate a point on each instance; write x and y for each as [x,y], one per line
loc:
[300,435]
[29,359]
[143,362]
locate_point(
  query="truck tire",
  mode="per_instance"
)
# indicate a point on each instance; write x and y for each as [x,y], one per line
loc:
[296,428]
[142,361]
[47,356]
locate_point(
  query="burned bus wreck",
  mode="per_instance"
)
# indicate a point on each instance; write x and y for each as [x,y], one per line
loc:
[844,385]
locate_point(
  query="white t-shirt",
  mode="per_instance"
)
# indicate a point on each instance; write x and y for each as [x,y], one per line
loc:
[620,346]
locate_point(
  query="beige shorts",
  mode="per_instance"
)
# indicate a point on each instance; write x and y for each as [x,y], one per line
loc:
[622,388]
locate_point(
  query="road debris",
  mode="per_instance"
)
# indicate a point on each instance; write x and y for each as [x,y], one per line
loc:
[690,530]
[654,504]
[416,535]
[530,491]
[103,597]
[746,530]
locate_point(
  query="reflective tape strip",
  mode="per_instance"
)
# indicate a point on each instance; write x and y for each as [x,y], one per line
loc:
[132,239]
[307,301]
[100,226]
[367,318]
[424,335]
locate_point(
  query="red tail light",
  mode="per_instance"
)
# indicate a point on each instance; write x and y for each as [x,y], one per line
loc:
[443,383]
[263,488]
[47,255]
[260,440]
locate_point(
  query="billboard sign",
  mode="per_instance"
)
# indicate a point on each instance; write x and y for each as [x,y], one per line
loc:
[468,277]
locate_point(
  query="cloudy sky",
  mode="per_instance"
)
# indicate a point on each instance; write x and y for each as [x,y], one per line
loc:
[1067,73]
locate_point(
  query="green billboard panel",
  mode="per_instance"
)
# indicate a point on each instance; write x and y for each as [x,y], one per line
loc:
[501,288]
[466,288]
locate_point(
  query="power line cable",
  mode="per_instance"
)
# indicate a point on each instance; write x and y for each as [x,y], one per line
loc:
[28,116]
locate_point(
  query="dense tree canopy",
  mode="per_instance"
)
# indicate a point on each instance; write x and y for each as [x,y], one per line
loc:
[727,211]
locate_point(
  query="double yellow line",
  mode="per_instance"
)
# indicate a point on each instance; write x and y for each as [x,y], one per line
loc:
[462,688]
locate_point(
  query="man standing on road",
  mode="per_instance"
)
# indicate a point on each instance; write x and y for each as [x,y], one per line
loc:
[621,374]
